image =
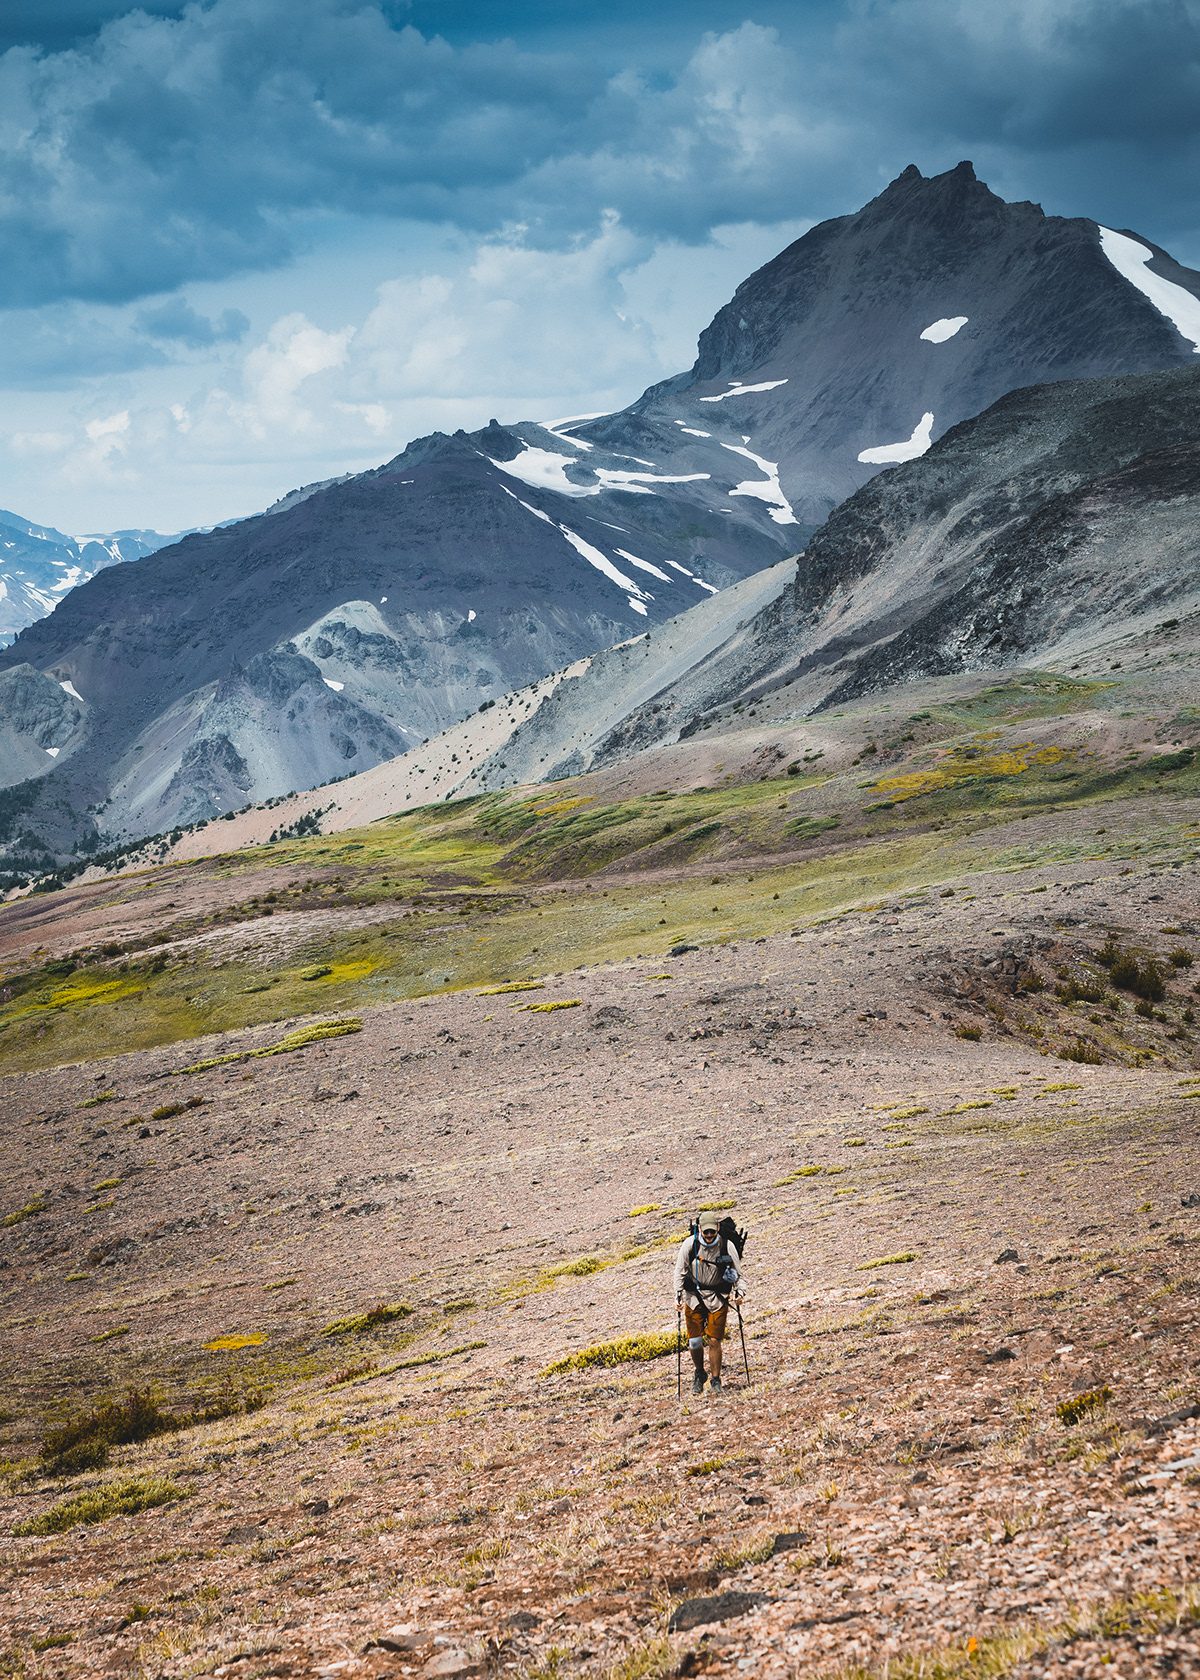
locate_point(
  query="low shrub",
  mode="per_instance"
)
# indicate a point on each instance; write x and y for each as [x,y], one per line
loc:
[294,1041]
[1181,957]
[1031,982]
[1144,981]
[349,1372]
[1081,1051]
[622,1351]
[582,1267]
[973,1033]
[38,1205]
[84,1442]
[94,1102]
[122,1498]
[168,1111]
[380,1314]
[1080,1406]
[886,1260]
[1078,991]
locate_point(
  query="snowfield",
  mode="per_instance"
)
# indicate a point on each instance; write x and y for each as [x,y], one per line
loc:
[908,450]
[1175,302]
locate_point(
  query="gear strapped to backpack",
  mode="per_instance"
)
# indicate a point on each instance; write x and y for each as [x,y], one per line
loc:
[728,1236]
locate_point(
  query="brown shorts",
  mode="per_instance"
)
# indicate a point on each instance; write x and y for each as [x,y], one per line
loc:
[703,1325]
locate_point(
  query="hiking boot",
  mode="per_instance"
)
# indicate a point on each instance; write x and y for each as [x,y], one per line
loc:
[714,1384]
[698,1382]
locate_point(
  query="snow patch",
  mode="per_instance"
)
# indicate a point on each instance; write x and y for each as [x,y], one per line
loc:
[536,512]
[908,450]
[53,751]
[1175,302]
[740,390]
[635,481]
[556,427]
[691,430]
[69,688]
[946,328]
[602,563]
[545,469]
[764,490]
[337,687]
[644,564]
[637,606]
[470,615]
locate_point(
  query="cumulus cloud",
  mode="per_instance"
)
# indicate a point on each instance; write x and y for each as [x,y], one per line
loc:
[169,150]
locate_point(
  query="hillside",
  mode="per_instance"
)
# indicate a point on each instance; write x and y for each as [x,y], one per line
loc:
[968,1437]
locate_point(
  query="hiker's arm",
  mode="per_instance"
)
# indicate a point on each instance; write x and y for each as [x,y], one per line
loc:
[681,1267]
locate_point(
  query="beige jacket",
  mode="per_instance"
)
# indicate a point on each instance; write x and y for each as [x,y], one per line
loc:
[705,1274]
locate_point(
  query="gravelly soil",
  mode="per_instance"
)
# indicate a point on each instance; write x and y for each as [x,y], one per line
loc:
[471,1512]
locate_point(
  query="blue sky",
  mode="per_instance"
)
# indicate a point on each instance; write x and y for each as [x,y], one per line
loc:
[252,243]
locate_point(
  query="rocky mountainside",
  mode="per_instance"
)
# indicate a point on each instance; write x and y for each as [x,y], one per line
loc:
[356,620]
[1060,523]
[876,333]
[359,617]
[38,565]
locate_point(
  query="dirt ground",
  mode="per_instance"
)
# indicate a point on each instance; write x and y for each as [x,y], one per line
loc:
[951,1240]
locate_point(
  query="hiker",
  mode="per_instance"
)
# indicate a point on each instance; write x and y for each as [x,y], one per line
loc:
[707,1275]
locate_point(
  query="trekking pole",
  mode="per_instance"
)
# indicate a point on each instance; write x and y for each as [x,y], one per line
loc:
[742,1331]
[678,1357]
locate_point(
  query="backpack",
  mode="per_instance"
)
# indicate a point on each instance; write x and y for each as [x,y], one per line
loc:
[728,1236]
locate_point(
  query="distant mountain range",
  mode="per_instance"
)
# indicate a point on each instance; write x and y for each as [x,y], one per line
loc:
[363,615]
[39,565]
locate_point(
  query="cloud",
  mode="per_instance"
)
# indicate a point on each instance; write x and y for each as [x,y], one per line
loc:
[294,351]
[176,320]
[41,443]
[168,150]
[109,434]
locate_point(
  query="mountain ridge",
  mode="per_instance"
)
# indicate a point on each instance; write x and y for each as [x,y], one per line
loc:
[469,566]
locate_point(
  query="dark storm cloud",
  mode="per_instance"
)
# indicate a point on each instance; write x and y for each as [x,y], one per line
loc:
[170,149]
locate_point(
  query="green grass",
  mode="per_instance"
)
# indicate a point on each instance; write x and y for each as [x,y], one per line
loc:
[624,1350]
[583,1267]
[358,1322]
[470,862]
[121,1498]
[885,1260]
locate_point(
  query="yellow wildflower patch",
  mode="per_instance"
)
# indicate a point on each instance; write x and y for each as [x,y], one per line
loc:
[967,763]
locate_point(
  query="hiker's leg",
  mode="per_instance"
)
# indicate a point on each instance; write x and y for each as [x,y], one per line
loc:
[695,1334]
[716,1339]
